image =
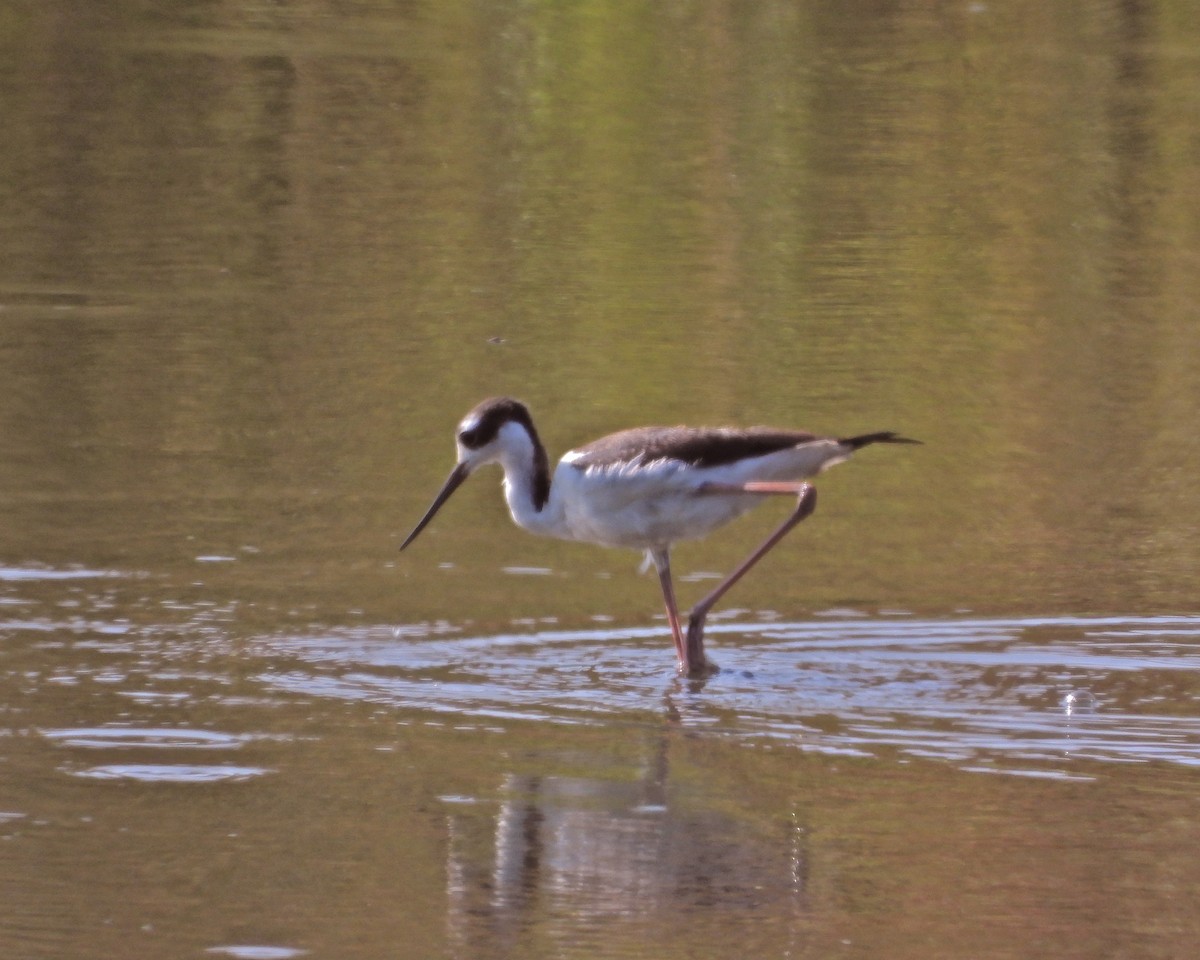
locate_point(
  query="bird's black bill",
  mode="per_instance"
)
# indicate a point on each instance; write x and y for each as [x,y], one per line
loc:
[453,482]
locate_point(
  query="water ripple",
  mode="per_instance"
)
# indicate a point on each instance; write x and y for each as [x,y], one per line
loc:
[170,773]
[108,737]
[962,690]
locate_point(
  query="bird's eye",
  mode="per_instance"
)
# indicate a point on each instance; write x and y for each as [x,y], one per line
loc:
[469,438]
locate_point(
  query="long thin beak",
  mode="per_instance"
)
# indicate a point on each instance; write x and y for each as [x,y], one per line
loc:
[453,482]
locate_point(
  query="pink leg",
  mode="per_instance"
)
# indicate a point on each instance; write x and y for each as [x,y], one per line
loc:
[806,503]
[662,562]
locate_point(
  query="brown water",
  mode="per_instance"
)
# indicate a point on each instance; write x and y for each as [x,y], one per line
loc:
[257,260]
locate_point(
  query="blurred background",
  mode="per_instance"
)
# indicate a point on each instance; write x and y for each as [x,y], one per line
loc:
[258,258]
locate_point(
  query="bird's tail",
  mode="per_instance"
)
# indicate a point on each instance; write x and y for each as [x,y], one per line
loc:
[887,436]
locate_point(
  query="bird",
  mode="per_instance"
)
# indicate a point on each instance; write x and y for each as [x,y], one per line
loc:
[647,488]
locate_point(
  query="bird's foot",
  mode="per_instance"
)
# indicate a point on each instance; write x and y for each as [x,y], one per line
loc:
[695,664]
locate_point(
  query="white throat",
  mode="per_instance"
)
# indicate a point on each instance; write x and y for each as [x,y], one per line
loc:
[524,485]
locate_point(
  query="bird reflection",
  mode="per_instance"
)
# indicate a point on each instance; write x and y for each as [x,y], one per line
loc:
[566,858]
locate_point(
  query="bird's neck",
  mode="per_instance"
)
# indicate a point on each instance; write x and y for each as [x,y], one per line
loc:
[527,482]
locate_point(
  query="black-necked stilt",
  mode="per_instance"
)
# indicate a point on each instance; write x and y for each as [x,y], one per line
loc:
[647,488]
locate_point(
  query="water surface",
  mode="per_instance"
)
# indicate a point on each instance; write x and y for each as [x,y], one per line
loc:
[259,260]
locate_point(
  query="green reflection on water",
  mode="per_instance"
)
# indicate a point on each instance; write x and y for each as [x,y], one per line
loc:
[259,259]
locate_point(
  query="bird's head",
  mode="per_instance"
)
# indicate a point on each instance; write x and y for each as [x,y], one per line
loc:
[498,430]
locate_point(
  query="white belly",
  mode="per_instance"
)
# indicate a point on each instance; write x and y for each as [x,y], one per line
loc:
[642,507]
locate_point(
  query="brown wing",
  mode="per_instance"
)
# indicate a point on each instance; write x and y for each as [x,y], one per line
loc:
[697,446]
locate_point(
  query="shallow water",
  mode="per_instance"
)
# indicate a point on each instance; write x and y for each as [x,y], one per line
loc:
[994,692]
[562,792]
[258,260]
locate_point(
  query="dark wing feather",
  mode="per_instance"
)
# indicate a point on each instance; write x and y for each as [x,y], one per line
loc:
[697,446]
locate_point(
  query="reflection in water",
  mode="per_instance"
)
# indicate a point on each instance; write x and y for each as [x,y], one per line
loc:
[256,952]
[1078,702]
[570,856]
[563,793]
[170,773]
[170,741]
[125,737]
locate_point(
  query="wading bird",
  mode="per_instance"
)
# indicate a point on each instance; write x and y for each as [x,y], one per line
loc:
[647,488]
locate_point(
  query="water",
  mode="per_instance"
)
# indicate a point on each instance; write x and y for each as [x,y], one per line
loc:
[259,260]
[992,691]
[340,789]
